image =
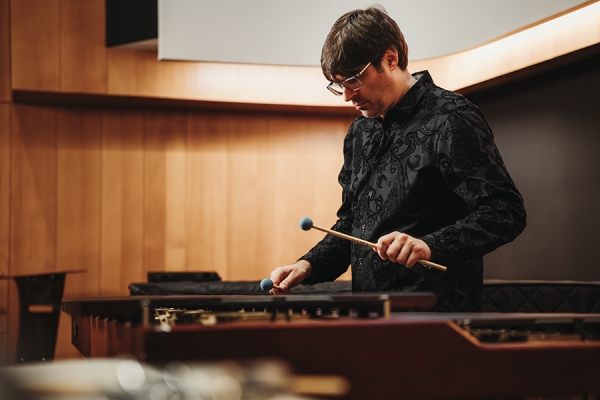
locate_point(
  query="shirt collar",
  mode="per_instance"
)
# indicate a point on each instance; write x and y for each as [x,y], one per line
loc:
[408,102]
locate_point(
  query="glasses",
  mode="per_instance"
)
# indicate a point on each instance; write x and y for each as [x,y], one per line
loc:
[353,83]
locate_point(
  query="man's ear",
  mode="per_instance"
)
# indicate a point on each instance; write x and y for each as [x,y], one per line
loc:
[390,58]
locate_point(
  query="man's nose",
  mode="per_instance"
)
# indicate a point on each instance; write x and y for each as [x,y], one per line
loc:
[348,94]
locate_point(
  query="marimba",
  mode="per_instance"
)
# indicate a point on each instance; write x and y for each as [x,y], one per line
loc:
[384,354]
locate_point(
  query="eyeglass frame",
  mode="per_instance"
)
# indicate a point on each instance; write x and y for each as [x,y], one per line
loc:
[341,84]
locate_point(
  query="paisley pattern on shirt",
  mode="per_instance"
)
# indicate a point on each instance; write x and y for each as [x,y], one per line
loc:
[430,169]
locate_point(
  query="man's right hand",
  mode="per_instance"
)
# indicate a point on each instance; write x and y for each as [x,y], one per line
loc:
[289,276]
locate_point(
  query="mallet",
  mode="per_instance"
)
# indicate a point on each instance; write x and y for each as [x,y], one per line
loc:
[306,224]
[267,284]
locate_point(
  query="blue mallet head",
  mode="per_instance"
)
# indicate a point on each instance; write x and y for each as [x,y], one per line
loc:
[266,284]
[306,224]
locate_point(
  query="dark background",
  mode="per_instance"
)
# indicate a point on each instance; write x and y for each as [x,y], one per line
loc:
[547,129]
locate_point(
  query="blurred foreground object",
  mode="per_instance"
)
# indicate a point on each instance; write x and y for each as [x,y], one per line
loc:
[128,379]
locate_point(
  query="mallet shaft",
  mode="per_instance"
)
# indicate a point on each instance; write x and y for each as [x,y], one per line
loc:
[373,245]
[344,236]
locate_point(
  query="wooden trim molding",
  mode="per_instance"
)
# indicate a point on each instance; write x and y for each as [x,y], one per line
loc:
[567,33]
[85,99]
[131,74]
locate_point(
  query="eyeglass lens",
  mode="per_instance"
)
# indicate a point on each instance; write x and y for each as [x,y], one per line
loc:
[351,84]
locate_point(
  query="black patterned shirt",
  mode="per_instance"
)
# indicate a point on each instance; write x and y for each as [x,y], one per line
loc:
[430,169]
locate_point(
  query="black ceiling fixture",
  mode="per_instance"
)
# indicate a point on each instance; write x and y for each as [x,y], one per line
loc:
[129,21]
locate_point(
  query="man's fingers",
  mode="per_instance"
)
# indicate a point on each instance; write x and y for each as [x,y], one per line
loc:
[383,245]
[381,251]
[416,254]
[405,253]
[395,249]
[402,248]
[289,282]
[277,276]
[275,291]
[284,286]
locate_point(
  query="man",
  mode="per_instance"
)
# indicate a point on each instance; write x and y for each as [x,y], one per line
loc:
[422,176]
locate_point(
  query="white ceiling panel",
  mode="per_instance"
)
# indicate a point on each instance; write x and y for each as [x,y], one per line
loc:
[291,32]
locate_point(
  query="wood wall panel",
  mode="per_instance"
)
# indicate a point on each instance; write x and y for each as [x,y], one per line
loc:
[5,92]
[208,161]
[305,155]
[123,192]
[78,199]
[252,179]
[83,53]
[4,217]
[78,209]
[121,71]
[139,73]
[121,261]
[247,198]
[33,200]
[33,190]
[165,170]
[35,27]
[289,198]
[176,193]
[285,148]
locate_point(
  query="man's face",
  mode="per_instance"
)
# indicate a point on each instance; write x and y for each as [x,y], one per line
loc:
[373,98]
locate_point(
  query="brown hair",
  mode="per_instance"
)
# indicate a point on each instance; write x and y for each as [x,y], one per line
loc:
[359,37]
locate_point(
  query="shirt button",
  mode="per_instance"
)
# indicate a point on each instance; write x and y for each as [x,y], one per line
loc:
[371,194]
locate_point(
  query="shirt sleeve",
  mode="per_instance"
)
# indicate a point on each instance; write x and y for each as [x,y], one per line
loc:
[472,166]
